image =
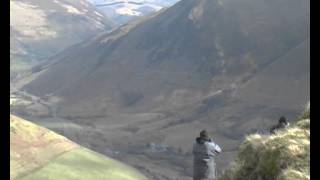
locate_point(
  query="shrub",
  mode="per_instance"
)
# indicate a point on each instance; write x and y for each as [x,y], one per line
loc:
[282,156]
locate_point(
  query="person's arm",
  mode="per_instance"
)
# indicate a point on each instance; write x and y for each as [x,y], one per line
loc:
[214,148]
[217,148]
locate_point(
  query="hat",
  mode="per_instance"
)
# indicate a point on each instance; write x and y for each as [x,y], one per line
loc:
[204,134]
[283,120]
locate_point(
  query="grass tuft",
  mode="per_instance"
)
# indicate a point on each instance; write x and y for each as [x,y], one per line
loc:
[282,156]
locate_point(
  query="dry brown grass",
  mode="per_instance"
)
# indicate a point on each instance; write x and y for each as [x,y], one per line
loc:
[283,156]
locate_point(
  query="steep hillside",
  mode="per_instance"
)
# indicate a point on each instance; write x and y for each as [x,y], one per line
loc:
[232,67]
[188,49]
[38,153]
[280,77]
[283,156]
[40,29]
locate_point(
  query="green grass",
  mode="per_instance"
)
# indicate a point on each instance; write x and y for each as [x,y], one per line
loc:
[82,164]
[36,153]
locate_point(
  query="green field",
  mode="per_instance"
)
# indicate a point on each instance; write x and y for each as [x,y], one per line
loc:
[84,164]
[36,153]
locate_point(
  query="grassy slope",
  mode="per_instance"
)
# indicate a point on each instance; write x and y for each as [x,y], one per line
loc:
[84,164]
[283,156]
[38,153]
[31,146]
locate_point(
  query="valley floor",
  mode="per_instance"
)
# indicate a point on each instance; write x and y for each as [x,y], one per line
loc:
[156,160]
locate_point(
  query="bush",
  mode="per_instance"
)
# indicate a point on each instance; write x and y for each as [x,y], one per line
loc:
[283,156]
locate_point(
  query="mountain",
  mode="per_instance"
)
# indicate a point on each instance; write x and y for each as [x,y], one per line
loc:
[123,11]
[283,156]
[40,29]
[38,153]
[207,43]
[232,67]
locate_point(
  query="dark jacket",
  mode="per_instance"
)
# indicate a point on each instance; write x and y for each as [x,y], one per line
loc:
[278,127]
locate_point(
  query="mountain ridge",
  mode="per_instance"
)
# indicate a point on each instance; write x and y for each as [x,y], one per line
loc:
[39,30]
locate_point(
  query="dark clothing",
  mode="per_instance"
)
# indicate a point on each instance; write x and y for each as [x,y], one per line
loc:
[203,163]
[278,127]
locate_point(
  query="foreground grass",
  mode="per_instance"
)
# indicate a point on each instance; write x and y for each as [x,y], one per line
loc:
[84,164]
[31,146]
[283,156]
[36,153]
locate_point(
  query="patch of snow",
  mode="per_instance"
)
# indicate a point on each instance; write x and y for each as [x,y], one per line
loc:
[97,23]
[98,14]
[156,7]
[71,9]
[197,12]
[84,3]
[128,11]
[215,93]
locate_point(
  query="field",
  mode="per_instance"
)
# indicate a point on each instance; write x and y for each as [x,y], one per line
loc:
[38,153]
[84,164]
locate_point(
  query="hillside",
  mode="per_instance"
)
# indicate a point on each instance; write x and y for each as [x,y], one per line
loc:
[38,153]
[165,67]
[283,156]
[232,67]
[40,29]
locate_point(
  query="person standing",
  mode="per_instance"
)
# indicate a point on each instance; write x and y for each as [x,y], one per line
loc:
[204,151]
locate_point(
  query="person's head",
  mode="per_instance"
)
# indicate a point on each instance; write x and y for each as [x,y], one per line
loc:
[204,134]
[283,120]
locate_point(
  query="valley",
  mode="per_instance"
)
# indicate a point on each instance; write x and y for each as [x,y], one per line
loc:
[103,138]
[141,93]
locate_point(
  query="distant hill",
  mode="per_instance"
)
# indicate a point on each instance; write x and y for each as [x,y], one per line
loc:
[184,55]
[40,29]
[123,11]
[38,153]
